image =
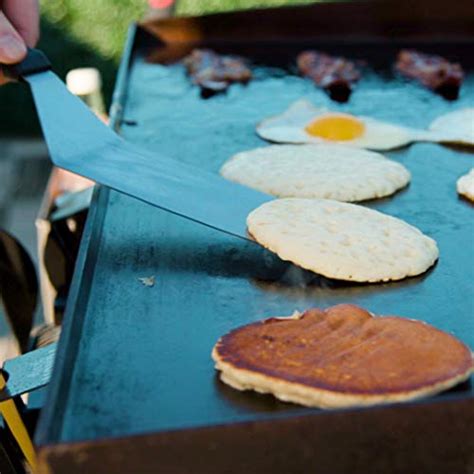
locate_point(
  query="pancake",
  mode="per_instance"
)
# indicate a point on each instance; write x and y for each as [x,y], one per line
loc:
[317,171]
[465,185]
[342,241]
[342,356]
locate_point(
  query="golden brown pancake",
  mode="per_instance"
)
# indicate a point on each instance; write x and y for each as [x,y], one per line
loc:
[342,356]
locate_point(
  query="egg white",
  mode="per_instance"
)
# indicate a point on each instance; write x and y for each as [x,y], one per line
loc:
[289,127]
[454,127]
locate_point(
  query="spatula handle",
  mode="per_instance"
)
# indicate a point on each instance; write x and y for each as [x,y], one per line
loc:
[35,61]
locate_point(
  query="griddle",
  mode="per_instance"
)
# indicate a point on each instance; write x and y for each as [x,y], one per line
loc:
[134,388]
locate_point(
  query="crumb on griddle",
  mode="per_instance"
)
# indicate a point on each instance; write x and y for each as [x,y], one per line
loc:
[148,281]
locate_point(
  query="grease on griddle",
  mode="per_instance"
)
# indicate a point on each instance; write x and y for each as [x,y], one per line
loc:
[335,75]
[434,72]
[213,73]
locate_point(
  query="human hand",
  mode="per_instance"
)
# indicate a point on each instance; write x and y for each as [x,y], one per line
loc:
[19,28]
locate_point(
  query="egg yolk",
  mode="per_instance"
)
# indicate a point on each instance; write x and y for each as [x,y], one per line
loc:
[337,127]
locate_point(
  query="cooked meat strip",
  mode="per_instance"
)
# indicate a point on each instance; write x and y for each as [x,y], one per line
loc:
[214,72]
[432,71]
[334,74]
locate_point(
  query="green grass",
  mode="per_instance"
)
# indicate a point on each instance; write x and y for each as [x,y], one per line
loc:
[102,24]
[77,33]
[99,24]
[199,7]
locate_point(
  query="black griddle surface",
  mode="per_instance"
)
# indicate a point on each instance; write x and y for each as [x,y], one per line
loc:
[144,362]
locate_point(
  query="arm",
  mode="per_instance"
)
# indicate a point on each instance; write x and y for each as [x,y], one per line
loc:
[19,28]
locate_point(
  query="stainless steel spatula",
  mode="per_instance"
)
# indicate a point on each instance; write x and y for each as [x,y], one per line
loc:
[79,142]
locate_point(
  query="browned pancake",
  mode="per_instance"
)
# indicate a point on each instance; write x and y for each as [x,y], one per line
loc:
[342,356]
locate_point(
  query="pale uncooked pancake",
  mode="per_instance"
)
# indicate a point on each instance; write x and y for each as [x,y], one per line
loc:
[340,240]
[465,185]
[302,122]
[342,356]
[455,127]
[317,171]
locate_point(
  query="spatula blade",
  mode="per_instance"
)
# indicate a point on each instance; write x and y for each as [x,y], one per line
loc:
[79,142]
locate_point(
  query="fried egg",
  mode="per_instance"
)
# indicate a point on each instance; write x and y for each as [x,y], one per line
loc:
[304,123]
[455,127]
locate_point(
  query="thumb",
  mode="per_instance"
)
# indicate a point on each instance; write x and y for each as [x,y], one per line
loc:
[12,47]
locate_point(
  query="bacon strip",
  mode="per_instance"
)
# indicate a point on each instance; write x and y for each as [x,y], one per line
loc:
[213,72]
[432,71]
[334,74]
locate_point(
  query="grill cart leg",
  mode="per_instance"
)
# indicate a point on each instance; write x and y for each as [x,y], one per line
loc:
[20,375]
[12,418]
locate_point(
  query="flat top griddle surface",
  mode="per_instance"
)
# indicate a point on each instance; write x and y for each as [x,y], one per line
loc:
[144,357]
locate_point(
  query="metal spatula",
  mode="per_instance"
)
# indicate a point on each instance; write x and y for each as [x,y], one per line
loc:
[79,142]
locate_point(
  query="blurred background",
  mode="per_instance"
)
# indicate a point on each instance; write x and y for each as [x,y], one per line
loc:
[78,33]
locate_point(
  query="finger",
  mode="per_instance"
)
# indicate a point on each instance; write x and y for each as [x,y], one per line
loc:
[12,47]
[24,16]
